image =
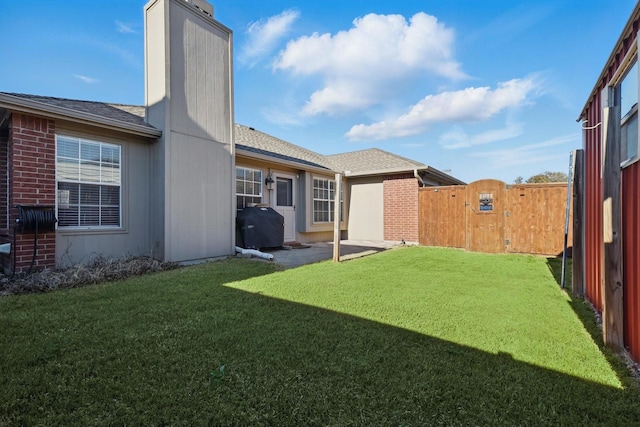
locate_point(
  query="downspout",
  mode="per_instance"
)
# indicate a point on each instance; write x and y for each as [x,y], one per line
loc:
[5,118]
[419,178]
[254,252]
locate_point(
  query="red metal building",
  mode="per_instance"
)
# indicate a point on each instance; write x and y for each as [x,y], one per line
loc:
[611,208]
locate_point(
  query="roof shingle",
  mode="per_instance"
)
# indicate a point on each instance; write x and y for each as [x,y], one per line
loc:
[247,139]
[133,114]
[372,159]
[259,142]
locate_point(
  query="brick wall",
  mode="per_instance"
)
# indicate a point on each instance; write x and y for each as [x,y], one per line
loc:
[32,181]
[4,199]
[4,184]
[401,208]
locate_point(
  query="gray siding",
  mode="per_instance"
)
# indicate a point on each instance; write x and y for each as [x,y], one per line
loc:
[156,87]
[191,101]
[303,210]
[199,223]
[366,208]
[200,89]
[78,246]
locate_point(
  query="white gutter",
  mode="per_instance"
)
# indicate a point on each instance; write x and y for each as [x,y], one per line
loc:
[254,252]
[376,172]
[29,106]
[442,175]
[430,170]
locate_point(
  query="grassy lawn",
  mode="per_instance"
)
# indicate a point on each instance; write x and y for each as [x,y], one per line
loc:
[411,336]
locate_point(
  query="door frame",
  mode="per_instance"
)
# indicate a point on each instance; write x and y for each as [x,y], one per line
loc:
[294,197]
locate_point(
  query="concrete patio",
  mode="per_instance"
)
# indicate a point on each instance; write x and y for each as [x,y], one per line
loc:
[314,252]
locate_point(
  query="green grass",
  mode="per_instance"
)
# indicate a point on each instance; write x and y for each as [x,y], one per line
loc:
[413,336]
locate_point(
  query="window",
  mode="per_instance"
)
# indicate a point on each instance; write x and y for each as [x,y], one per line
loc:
[88,178]
[284,191]
[324,192]
[248,187]
[629,113]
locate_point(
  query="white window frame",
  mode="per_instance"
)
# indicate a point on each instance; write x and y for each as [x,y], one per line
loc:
[319,196]
[104,176]
[627,65]
[256,196]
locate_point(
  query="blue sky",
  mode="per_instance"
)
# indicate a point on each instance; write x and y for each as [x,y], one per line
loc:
[482,89]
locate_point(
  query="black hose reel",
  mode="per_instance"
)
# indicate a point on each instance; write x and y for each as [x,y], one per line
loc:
[33,219]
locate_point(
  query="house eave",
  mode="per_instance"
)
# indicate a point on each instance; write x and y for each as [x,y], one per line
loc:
[427,170]
[263,157]
[442,176]
[372,172]
[28,106]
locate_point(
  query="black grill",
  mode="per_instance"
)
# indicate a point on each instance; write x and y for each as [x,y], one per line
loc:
[258,228]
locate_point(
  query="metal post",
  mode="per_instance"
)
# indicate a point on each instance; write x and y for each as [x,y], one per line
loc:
[566,218]
[336,219]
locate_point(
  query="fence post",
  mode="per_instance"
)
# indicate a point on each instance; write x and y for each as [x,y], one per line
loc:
[577,267]
[612,303]
[336,219]
[566,217]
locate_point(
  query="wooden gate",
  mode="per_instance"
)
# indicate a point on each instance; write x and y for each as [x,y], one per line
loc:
[442,216]
[485,216]
[490,216]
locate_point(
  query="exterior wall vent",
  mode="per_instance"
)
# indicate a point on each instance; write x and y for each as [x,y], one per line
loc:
[203,5]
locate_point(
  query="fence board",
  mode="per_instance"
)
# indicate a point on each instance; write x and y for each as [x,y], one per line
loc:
[445,209]
[536,218]
[527,218]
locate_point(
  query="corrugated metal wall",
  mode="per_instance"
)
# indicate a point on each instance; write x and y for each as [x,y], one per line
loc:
[631,257]
[630,209]
[593,203]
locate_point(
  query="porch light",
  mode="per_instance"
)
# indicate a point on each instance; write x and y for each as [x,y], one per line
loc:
[269,181]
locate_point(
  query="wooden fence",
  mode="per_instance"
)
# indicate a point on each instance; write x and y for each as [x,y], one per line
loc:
[490,216]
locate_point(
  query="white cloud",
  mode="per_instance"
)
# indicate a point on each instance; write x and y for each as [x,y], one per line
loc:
[467,105]
[281,116]
[358,65]
[526,154]
[338,98]
[125,28]
[264,35]
[457,138]
[86,79]
[125,55]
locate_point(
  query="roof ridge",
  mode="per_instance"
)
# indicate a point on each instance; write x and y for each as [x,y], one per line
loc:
[360,151]
[372,149]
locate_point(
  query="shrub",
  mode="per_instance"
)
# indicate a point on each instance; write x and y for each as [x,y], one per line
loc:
[100,269]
